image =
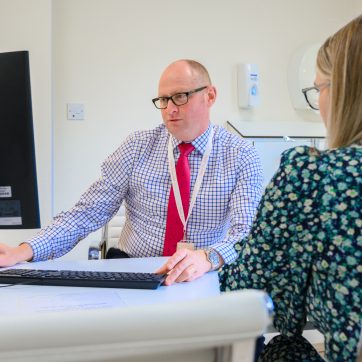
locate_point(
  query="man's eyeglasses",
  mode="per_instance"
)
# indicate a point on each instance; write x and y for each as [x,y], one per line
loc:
[177,99]
[311,95]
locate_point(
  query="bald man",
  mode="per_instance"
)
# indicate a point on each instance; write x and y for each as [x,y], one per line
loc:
[224,181]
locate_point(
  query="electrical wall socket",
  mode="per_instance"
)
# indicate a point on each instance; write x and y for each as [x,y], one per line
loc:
[75,111]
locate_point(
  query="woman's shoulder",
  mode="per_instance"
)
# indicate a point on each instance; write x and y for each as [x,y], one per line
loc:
[298,166]
[309,157]
[299,157]
[307,168]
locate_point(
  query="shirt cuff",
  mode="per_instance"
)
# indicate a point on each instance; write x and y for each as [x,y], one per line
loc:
[41,247]
[226,251]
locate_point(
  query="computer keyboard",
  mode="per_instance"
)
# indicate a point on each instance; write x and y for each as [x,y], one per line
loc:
[99,279]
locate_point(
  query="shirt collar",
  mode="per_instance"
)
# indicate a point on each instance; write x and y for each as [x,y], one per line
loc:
[199,143]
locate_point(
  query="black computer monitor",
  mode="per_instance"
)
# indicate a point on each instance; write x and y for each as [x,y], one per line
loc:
[19,205]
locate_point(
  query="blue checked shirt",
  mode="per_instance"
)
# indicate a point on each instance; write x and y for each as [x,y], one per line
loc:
[137,174]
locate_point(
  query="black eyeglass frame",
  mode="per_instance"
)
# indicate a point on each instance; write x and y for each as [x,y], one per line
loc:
[305,91]
[187,94]
[318,88]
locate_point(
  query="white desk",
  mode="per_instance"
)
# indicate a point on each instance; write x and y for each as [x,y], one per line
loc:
[183,322]
[24,299]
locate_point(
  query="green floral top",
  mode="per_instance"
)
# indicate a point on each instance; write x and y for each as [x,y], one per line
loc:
[305,247]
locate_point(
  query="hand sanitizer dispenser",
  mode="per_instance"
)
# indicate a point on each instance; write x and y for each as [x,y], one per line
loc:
[248,85]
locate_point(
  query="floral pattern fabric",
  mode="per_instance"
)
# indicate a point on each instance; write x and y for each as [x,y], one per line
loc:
[296,349]
[305,247]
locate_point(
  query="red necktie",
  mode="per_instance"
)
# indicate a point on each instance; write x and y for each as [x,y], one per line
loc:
[174,227]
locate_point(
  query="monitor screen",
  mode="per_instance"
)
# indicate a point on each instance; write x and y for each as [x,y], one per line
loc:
[19,205]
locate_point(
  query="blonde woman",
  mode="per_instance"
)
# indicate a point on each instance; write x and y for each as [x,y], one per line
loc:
[305,247]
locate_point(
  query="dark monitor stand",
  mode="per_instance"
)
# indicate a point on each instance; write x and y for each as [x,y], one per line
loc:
[19,205]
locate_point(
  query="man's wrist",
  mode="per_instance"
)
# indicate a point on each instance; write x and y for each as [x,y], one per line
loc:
[25,252]
[214,258]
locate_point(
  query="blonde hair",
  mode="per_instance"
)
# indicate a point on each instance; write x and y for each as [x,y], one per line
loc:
[340,61]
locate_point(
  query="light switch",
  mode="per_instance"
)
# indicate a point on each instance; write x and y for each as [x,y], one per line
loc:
[75,111]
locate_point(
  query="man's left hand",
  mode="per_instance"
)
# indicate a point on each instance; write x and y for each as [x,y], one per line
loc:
[184,266]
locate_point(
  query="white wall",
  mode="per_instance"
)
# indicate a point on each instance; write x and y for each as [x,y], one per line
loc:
[358,6]
[26,25]
[109,55]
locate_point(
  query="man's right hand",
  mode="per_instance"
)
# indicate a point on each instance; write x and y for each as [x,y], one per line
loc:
[10,255]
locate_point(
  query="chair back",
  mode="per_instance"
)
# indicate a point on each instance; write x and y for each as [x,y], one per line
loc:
[223,328]
[111,233]
[112,230]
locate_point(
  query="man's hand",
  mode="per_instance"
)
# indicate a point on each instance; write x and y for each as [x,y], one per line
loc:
[10,255]
[184,266]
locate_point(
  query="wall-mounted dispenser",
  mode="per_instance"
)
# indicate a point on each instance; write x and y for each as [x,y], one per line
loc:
[248,85]
[301,74]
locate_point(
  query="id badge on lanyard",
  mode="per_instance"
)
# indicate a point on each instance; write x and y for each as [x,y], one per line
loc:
[200,175]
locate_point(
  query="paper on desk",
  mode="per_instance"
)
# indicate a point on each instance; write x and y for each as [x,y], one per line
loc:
[57,302]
